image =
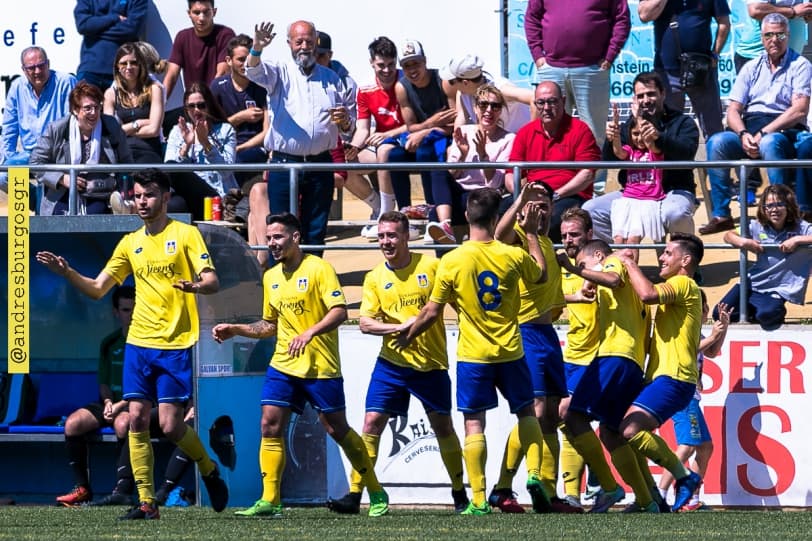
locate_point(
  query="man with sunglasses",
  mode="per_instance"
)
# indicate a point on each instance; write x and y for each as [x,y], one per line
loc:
[32,102]
[555,137]
[767,113]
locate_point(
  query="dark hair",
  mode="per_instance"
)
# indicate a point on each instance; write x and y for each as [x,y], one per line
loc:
[395,217]
[483,206]
[577,214]
[785,195]
[145,82]
[285,218]
[122,292]
[190,2]
[691,245]
[704,297]
[213,108]
[83,89]
[153,175]
[240,40]
[383,47]
[593,247]
[648,77]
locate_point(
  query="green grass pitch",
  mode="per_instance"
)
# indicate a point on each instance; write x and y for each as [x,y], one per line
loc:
[51,523]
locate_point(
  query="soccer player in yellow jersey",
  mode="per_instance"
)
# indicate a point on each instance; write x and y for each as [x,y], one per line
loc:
[672,371]
[393,294]
[482,278]
[613,379]
[540,305]
[303,307]
[169,261]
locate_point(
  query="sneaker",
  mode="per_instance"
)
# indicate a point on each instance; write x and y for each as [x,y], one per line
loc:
[217,489]
[505,500]
[662,505]
[460,500]
[261,508]
[694,506]
[541,503]
[115,498]
[441,232]
[565,505]
[605,500]
[635,507]
[684,489]
[478,511]
[143,511]
[378,504]
[348,504]
[176,498]
[370,232]
[120,205]
[417,212]
[76,496]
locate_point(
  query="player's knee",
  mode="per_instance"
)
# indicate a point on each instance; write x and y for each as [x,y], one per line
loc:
[76,424]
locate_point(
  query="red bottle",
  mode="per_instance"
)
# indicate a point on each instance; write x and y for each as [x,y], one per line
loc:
[216,208]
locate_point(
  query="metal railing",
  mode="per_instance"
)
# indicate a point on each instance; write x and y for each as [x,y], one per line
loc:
[297,169]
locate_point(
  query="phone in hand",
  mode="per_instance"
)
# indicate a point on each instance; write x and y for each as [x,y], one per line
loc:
[250,104]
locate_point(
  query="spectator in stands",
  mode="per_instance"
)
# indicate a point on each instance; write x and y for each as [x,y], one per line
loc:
[311,107]
[780,238]
[676,135]
[105,25]
[90,418]
[32,103]
[466,75]
[577,51]
[85,136]
[157,66]
[486,141]
[767,110]
[379,103]
[684,26]
[428,108]
[352,180]
[137,101]
[203,136]
[555,136]
[200,51]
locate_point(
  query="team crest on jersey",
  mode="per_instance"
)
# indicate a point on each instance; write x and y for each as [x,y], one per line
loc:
[171,247]
[301,284]
[422,280]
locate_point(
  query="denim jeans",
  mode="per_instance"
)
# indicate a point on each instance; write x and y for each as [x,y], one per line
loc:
[727,146]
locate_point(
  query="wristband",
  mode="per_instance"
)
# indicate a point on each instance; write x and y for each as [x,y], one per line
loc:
[741,133]
[254,52]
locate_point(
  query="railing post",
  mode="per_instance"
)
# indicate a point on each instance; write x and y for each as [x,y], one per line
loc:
[73,194]
[745,232]
[294,191]
[517,182]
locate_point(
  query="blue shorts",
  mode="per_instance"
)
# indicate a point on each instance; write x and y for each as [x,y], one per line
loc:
[325,395]
[690,427]
[158,375]
[607,389]
[391,386]
[664,397]
[574,374]
[477,384]
[542,350]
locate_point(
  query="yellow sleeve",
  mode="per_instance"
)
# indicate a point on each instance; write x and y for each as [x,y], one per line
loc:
[269,313]
[331,292]
[196,251]
[370,301]
[119,265]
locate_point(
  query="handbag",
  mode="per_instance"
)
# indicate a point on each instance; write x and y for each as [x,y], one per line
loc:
[694,68]
[101,186]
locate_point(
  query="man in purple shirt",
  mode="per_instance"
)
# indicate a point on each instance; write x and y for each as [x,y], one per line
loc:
[576,52]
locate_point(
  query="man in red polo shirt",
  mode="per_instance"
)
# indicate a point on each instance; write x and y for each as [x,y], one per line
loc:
[556,137]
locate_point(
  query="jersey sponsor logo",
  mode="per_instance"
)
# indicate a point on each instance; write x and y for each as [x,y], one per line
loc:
[388,285]
[301,284]
[422,280]
[171,247]
[336,293]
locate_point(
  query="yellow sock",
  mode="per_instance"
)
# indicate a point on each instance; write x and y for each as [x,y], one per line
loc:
[655,448]
[371,441]
[141,461]
[511,459]
[550,449]
[272,464]
[572,467]
[451,453]
[190,444]
[642,464]
[530,438]
[589,447]
[626,465]
[476,453]
[354,448]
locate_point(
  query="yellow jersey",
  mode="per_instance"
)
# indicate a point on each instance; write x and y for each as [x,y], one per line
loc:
[482,279]
[164,317]
[677,327]
[538,299]
[395,295]
[623,319]
[583,335]
[297,301]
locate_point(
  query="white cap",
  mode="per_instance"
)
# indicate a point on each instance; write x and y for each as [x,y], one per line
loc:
[467,67]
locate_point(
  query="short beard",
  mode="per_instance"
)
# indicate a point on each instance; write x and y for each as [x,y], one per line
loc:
[305,62]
